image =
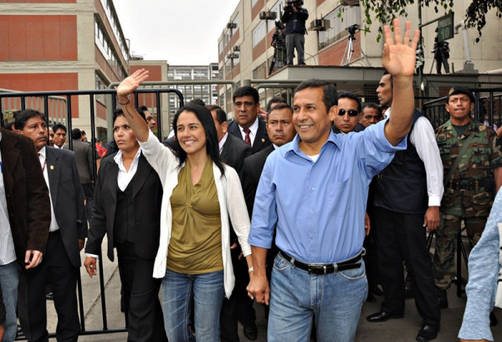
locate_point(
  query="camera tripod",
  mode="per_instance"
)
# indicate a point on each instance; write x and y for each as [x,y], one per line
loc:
[349,50]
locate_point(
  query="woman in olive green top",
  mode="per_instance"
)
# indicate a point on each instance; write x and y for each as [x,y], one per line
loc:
[200,195]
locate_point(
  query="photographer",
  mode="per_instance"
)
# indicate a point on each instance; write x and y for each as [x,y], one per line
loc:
[294,18]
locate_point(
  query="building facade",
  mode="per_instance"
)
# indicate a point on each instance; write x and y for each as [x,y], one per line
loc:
[63,45]
[245,51]
[192,74]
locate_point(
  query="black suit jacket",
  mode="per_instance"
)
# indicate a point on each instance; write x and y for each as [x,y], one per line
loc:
[67,199]
[147,195]
[234,151]
[250,175]
[26,193]
[260,141]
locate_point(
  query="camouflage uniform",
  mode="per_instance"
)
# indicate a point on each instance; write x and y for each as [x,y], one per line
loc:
[468,193]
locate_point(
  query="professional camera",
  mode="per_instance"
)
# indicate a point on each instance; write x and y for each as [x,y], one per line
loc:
[288,4]
[352,29]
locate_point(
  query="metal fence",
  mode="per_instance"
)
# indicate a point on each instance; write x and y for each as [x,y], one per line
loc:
[487,108]
[12,101]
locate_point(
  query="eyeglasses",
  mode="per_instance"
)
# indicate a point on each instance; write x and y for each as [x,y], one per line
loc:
[351,112]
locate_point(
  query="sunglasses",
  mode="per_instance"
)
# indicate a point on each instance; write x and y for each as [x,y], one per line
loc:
[351,112]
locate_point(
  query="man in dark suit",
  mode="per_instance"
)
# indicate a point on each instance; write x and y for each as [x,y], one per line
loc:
[2,316]
[127,203]
[280,129]
[347,118]
[67,231]
[83,156]
[232,152]
[232,149]
[24,218]
[247,125]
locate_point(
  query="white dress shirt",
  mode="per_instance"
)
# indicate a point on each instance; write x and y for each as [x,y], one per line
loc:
[125,176]
[7,251]
[43,163]
[253,128]
[423,138]
[222,142]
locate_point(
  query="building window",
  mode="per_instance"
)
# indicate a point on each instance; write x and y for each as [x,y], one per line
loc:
[259,33]
[106,48]
[260,71]
[235,20]
[221,46]
[337,25]
[277,8]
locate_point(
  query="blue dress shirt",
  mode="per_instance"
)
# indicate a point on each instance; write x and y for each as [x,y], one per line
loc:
[319,206]
[483,274]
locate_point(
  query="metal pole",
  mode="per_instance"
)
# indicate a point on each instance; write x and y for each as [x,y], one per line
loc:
[420,70]
[159,119]
[68,116]
[1,113]
[459,264]
[46,112]
[102,291]
[80,303]
[93,136]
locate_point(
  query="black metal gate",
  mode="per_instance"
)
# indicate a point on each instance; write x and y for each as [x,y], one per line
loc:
[25,97]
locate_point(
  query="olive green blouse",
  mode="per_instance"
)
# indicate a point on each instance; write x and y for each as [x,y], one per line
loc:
[195,244]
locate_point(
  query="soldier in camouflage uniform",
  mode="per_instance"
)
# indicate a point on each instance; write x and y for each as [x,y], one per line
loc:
[469,188]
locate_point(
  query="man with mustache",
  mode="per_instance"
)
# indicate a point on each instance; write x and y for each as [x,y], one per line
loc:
[405,207]
[280,130]
[247,125]
[312,194]
[67,231]
[472,161]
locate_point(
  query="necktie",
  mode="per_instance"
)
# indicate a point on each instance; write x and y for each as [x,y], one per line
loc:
[42,166]
[247,139]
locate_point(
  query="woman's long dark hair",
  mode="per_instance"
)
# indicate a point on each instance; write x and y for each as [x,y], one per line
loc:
[206,119]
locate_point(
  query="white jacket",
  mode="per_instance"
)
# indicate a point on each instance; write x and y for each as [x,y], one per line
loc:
[230,196]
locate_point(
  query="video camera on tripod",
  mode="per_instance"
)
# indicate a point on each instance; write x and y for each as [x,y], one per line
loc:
[352,29]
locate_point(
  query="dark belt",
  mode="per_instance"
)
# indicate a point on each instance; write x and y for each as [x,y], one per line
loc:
[470,184]
[325,268]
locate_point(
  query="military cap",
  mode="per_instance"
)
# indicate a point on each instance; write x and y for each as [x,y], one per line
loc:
[460,90]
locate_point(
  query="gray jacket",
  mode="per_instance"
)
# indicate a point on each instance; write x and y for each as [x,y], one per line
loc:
[83,155]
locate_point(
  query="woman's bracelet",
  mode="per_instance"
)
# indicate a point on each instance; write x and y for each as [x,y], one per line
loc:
[126,103]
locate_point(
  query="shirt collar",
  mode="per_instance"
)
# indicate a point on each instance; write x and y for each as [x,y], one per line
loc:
[222,142]
[253,128]
[294,146]
[118,158]
[41,153]
[386,114]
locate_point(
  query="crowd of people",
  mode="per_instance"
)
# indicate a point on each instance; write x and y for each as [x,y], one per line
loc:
[310,208]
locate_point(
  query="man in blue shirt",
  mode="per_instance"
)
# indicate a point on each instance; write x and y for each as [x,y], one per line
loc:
[484,270]
[314,191]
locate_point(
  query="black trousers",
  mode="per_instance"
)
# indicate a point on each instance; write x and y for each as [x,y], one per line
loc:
[239,307]
[57,271]
[140,296]
[402,237]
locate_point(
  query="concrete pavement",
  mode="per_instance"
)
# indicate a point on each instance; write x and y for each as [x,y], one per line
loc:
[395,330]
